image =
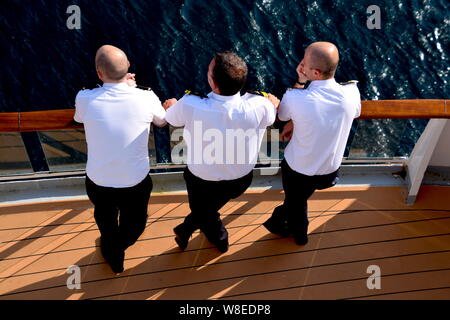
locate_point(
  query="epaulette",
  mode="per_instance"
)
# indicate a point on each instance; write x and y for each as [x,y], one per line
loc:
[259,93]
[347,82]
[144,88]
[195,94]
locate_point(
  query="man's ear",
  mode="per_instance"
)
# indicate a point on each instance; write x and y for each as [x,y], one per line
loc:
[129,64]
[100,74]
[216,87]
[318,73]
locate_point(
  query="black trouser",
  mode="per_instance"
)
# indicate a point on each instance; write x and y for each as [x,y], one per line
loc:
[205,200]
[119,231]
[297,190]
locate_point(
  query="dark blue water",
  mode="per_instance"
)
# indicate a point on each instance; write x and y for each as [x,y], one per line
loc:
[170,43]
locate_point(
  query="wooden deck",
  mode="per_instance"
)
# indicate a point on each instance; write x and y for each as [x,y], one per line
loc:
[351,228]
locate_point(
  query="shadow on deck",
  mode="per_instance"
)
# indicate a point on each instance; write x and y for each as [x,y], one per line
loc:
[351,228]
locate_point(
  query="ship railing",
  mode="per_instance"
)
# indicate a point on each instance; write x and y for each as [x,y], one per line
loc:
[28,124]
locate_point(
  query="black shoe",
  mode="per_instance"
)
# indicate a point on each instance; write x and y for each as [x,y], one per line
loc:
[117,266]
[115,261]
[180,237]
[301,240]
[222,245]
[280,229]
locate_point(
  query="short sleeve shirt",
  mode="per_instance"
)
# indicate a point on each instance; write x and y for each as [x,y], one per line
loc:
[223,134]
[322,116]
[117,121]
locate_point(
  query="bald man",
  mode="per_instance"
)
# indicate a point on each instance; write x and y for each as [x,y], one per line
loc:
[321,113]
[117,118]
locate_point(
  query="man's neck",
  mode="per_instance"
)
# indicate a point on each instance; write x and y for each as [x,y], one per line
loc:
[111,81]
[329,78]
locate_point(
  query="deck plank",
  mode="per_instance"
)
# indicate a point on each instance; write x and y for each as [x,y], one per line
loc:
[350,228]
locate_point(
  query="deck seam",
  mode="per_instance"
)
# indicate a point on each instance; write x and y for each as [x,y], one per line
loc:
[237,260]
[340,212]
[243,259]
[257,274]
[332,282]
[233,227]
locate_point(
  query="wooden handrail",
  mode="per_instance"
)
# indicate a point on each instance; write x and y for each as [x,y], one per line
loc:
[405,109]
[371,109]
[9,122]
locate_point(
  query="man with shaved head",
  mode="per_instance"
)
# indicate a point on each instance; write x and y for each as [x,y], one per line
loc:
[321,113]
[111,63]
[117,118]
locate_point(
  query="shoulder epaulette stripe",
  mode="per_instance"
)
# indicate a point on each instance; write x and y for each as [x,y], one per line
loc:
[144,88]
[195,93]
[259,93]
[348,82]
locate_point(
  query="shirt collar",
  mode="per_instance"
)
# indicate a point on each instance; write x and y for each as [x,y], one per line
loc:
[116,85]
[224,98]
[322,83]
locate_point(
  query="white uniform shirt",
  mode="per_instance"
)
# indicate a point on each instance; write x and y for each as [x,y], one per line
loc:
[322,116]
[117,121]
[223,134]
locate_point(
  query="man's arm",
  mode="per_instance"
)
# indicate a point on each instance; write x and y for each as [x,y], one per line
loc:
[159,117]
[284,114]
[79,108]
[175,112]
[272,110]
[168,103]
[274,100]
[159,113]
[358,99]
[287,132]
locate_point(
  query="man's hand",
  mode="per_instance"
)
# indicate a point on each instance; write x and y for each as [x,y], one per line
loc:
[301,75]
[169,102]
[275,101]
[287,132]
[131,79]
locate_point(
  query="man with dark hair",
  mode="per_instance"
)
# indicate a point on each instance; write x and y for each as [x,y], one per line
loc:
[229,72]
[322,116]
[218,169]
[117,118]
